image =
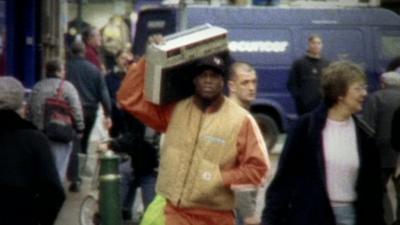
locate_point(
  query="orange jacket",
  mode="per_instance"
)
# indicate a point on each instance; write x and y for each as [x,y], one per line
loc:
[252,161]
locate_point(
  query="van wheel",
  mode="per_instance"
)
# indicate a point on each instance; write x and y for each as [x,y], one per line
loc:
[268,128]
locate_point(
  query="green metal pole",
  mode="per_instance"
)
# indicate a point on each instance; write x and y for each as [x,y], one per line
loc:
[110,202]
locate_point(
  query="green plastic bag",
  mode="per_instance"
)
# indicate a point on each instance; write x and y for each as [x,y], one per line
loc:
[154,214]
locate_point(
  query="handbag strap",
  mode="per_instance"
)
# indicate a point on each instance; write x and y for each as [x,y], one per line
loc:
[60,90]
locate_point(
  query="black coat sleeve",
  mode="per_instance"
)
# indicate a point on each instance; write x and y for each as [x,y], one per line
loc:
[292,84]
[395,140]
[104,96]
[278,195]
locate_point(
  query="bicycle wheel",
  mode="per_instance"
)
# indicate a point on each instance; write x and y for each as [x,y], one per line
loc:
[89,211]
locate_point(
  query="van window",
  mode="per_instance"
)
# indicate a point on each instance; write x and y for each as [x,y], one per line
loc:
[387,41]
[390,46]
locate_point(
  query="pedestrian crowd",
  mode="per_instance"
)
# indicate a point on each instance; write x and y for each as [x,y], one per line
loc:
[203,159]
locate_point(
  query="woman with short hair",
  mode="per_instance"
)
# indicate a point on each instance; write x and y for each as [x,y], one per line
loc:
[329,170]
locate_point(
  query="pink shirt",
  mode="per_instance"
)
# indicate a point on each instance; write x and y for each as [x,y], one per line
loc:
[341,160]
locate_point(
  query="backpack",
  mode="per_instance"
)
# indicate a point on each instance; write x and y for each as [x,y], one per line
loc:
[58,117]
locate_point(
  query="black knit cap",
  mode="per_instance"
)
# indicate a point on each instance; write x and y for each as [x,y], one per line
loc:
[212,62]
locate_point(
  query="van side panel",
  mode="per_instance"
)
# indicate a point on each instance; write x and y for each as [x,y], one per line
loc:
[272,38]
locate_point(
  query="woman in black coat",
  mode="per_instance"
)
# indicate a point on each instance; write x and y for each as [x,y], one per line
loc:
[395,140]
[30,189]
[329,170]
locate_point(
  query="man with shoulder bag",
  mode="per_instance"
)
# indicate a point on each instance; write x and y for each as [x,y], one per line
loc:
[55,108]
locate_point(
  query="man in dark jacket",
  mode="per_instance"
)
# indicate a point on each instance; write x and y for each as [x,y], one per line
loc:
[91,87]
[305,76]
[92,90]
[30,189]
[378,112]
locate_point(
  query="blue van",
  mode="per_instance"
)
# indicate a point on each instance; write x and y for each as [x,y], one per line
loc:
[271,38]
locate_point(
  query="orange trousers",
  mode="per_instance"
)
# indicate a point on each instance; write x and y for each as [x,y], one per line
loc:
[197,216]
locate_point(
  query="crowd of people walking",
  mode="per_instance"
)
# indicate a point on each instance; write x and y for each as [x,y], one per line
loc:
[212,161]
